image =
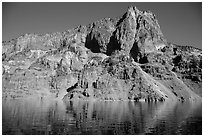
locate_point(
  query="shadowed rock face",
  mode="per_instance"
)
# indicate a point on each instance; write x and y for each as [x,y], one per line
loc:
[124,58]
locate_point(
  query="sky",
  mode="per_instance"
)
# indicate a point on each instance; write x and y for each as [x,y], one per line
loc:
[181,23]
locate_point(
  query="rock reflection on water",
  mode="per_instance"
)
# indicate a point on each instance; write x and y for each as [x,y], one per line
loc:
[36,116]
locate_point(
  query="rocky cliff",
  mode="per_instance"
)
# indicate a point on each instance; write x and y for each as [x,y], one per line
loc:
[126,58]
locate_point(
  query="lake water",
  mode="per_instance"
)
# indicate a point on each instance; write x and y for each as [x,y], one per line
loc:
[42,116]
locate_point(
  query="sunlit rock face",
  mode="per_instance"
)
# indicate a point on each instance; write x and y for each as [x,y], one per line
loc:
[125,58]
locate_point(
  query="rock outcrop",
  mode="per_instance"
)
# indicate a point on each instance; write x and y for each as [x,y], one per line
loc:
[124,58]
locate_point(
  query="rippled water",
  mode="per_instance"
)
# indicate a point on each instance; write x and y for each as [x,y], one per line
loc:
[36,116]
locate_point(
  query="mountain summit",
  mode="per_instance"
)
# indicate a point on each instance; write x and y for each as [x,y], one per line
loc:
[126,58]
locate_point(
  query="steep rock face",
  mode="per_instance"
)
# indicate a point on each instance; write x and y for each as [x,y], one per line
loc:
[126,30]
[136,31]
[124,58]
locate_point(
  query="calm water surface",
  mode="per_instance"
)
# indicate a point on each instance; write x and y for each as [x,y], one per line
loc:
[36,116]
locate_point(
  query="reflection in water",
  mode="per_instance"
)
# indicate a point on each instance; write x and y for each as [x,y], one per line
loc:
[36,116]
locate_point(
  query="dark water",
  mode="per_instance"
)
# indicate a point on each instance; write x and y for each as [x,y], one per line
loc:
[35,116]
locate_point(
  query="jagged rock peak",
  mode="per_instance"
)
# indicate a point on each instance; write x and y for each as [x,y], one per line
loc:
[133,10]
[135,27]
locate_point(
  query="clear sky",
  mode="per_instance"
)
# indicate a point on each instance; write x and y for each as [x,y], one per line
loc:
[181,23]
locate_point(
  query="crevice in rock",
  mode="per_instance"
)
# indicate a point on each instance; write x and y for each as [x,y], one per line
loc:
[92,44]
[134,52]
[72,87]
[112,45]
[143,60]
[177,59]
